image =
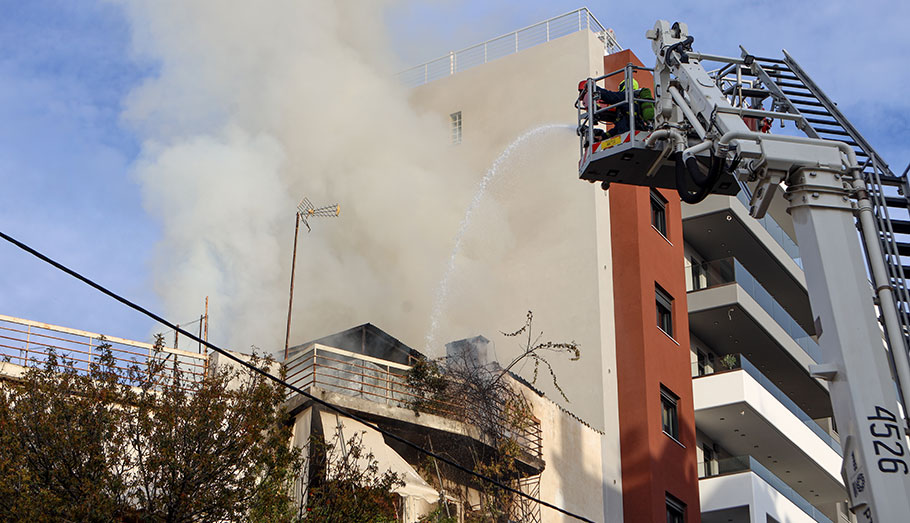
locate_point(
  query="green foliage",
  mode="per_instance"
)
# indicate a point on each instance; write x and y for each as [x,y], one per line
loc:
[352,488]
[82,445]
[729,361]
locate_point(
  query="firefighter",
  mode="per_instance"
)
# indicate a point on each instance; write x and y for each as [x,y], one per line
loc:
[619,116]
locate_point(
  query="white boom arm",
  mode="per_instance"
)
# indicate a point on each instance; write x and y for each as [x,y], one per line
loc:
[822,179]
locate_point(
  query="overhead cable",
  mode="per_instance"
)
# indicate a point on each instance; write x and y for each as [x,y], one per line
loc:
[280,381]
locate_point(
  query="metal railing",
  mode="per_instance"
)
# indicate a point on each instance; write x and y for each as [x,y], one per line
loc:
[539,33]
[776,231]
[729,270]
[739,362]
[738,464]
[593,114]
[384,381]
[28,343]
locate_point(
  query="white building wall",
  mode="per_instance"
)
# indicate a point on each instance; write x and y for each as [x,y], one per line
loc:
[540,241]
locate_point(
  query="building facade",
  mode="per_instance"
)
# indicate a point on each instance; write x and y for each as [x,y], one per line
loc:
[703,324]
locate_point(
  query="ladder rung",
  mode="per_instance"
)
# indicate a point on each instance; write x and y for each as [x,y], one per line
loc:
[900,227]
[891,180]
[838,132]
[896,201]
[792,84]
[780,75]
[815,111]
[832,121]
[806,102]
[904,250]
[770,60]
[796,93]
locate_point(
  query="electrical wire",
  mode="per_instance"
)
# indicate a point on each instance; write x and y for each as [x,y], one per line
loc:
[280,381]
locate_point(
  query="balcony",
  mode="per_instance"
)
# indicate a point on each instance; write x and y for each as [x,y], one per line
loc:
[721,227]
[741,489]
[733,362]
[382,383]
[745,413]
[733,313]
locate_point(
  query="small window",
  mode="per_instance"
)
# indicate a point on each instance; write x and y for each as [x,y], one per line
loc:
[664,310]
[659,212]
[455,126]
[676,510]
[668,416]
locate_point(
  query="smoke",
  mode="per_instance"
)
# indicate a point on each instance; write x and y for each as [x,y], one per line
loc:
[254,105]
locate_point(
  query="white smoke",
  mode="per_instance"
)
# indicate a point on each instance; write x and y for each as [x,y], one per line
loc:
[255,105]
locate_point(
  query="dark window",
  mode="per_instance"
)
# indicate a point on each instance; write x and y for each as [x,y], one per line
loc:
[664,310]
[668,416]
[659,212]
[676,510]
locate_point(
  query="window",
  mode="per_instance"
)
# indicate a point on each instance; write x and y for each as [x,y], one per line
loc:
[705,362]
[699,275]
[455,126]
[659,212]
[664,310]
[668,416]
[676,510]
[710,468]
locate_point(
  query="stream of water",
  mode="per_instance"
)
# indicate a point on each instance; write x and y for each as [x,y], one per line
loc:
[495,170]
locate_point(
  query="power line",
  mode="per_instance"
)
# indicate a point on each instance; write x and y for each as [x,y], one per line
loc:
[281,382]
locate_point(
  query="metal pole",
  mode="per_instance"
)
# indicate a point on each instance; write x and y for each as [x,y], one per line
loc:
[287,335]
[630,93]
[884,291]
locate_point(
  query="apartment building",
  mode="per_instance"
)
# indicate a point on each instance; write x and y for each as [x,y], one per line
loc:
[709,410]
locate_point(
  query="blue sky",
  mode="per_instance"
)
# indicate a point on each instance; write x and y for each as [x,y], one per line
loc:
[66,155]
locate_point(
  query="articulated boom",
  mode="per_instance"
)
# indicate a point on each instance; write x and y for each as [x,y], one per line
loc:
[701,144]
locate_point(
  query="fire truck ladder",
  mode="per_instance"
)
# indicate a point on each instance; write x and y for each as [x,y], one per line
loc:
[793,91]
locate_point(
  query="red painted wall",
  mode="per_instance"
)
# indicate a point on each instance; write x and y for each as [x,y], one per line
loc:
[653,464]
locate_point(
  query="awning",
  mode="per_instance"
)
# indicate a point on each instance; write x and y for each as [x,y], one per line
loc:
[386,457]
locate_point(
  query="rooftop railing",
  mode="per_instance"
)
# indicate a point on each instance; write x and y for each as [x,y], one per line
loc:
[29,343]
[383,381]
[729,270]
[739,362]
[539,33]
[738,464]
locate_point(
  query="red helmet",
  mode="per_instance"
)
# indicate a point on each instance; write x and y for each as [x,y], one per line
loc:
[582,84]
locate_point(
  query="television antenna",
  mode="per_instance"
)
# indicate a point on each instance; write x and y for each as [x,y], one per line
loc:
[305,211]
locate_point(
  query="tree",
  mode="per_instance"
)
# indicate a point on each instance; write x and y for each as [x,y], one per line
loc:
[144,444]
[480,395]
[349,487]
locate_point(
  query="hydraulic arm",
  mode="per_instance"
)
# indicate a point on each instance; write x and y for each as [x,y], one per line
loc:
[696,127]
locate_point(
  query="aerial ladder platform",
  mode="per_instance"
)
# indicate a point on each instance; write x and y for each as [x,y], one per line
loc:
[712,135]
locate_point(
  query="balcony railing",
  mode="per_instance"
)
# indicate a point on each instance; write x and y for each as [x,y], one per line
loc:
[539,33]
[384,381]
[729,270]
[733,362]
[29,343]
[776,231]
[738,464]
